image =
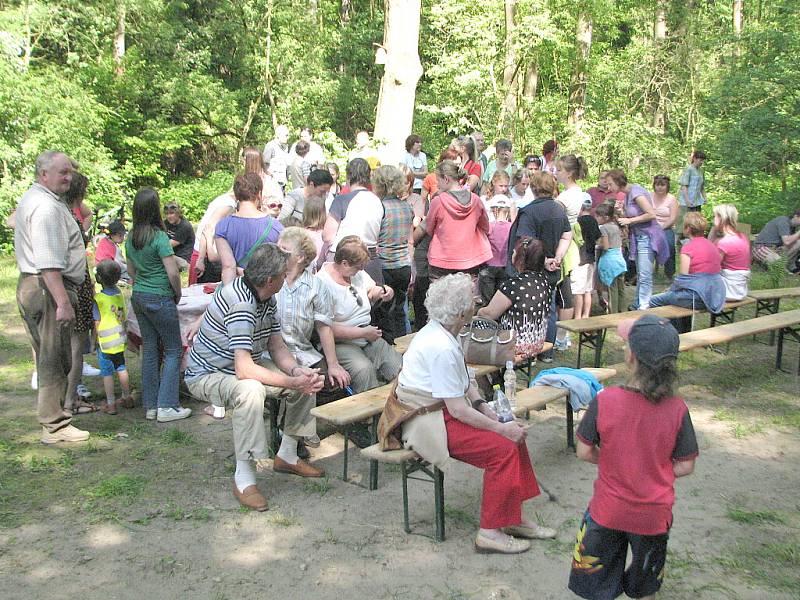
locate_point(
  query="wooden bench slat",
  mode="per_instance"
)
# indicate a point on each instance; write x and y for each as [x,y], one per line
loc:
[776,293]
[536,397]
[612,320]
[374,452]
[730,332]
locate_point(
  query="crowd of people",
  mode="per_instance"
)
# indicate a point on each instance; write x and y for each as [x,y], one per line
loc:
[316,279]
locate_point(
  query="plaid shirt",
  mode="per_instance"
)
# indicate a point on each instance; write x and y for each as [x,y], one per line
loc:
[395,229]
[300,306]
[693,179]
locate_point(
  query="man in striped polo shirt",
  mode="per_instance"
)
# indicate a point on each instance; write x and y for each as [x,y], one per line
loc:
[239,358]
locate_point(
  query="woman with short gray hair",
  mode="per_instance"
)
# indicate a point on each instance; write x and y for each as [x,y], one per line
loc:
[457,423]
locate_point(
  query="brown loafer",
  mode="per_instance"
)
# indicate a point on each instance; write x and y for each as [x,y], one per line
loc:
[251,498]
[302,468]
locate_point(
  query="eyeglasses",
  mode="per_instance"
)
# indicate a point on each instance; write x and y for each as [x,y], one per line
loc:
[358,298]
[275,205]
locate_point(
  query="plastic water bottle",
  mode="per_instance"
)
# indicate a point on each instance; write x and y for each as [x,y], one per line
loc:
[504,413]
[510,385]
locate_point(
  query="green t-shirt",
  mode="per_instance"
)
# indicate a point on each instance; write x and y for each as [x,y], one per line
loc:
[151,276]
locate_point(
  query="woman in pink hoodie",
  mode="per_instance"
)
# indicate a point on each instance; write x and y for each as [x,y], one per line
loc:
[458,225]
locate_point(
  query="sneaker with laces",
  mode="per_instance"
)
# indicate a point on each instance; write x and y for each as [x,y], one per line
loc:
[89,370]
[150,414]
[65,434]
[173,413]
[83,391]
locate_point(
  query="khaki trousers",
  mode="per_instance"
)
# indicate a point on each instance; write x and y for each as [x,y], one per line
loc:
[369,365]
[51,341]
[246,398]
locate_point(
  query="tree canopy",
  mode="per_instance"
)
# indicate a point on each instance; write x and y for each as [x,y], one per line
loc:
[167,92]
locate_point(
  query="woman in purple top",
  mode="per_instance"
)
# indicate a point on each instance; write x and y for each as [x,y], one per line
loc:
[240,233]
[647,241]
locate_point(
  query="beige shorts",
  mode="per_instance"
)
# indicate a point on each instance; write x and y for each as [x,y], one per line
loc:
[582,279]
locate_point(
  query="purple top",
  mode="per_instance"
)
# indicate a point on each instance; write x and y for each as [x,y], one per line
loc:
[658,241]
[242,233]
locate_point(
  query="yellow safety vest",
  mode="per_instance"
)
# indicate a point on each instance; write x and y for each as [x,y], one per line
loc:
[110,330]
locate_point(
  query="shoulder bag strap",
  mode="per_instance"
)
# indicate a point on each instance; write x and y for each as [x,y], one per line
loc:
[259,241]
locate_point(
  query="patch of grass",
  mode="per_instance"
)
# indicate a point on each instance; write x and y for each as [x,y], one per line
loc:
[560,548]
[123,487]
[755,517]
[282,520]
[198,514]
[738,429]
[317,486]
[460,516]
[772,564]
[177,437]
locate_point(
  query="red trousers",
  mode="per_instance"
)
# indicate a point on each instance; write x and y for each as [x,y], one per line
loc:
[192,265]
[508,477]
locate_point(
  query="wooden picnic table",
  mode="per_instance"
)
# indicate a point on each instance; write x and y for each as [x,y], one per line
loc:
[768,302]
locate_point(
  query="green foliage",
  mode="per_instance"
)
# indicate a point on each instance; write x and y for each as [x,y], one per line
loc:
[194,194]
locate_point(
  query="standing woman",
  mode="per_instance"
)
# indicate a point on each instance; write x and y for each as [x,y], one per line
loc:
[416,160]
[646,239]
[666,207]
[458,225]
[271,192]
[156,293]
[470,163]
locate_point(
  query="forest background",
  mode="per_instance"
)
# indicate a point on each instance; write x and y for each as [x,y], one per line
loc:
[166,93]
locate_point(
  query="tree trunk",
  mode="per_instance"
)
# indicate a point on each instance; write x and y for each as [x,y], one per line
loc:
[580,74]
[510,69]
[737,17]
[659,76]
[345,11]
[530,86]
[119,38]
[395,113]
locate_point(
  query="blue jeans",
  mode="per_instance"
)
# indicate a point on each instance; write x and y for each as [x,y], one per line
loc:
[645,258]
[158,322]
[669,266]
[681,297]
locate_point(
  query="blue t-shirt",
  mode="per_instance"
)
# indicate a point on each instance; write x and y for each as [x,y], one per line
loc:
[242,233]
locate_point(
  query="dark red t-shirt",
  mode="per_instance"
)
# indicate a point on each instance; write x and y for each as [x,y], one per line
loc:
[638,443]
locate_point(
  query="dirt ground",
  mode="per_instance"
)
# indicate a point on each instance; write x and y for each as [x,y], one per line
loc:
[146,511]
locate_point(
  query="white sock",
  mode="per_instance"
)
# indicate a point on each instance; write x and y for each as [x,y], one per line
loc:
[244,476]
[288,449]
[219,412]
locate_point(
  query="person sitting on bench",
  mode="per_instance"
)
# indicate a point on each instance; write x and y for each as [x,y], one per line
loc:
[360,347]
[699,284]
[780,237]
[734,248]
[456,422]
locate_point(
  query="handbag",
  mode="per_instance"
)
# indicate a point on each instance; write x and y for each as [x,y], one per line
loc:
[395,413]
[484,343]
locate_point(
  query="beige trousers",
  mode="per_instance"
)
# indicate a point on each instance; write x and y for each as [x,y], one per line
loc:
[246,398]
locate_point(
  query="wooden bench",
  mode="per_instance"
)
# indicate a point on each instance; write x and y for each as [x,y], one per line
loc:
[786,324]
[410,462]
[768,302]
[728,312]
[592,331]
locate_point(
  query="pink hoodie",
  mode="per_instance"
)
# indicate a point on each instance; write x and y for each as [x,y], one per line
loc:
[458,232]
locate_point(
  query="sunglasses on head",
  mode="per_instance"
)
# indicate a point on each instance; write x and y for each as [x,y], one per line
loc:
[356,296]
[274,205]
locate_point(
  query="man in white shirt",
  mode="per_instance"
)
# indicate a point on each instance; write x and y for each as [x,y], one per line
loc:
[276,155]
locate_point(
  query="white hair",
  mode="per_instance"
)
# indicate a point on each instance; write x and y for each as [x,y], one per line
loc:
[45,160]
[449,297]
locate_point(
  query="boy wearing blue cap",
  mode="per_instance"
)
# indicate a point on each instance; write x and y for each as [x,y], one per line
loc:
[641,437]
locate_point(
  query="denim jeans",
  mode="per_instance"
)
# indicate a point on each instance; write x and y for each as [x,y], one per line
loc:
[669,266]
[158,322]
[552,320]
[645,258]
[682,297]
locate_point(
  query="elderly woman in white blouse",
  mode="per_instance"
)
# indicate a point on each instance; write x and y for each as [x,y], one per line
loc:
[434,375]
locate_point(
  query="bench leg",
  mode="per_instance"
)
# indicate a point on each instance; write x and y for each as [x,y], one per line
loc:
[346,432]
[438,485]
[769,307]
[598,348]
[373,464]
[404,476]
[570,424]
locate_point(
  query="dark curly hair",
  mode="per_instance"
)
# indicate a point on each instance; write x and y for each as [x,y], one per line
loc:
[658,382]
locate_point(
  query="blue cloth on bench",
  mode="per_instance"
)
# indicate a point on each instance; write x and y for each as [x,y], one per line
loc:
[582,385]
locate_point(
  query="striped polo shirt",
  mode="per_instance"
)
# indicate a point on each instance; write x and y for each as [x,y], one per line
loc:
[234,320]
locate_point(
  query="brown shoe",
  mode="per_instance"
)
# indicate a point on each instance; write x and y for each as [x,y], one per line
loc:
[302,468]
[251,498]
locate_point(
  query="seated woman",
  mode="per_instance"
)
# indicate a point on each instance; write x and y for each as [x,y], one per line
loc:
[734,247]
[523,302]
[434,375]
[360,348]
[699,284]
[238,235]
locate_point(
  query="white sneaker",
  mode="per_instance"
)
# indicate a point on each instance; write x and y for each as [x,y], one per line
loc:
[35,381]
[89,370]
[83,391]
[65,434]
[173,414]
[151,414]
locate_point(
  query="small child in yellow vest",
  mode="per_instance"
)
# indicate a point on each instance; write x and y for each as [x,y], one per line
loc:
[109,321]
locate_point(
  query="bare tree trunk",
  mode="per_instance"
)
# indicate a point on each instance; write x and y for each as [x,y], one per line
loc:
[395,113]
[737,17]
[119,38]
[580,74]
[345,11]
[510,69]
[530,87]
[659,76]
[28,49]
